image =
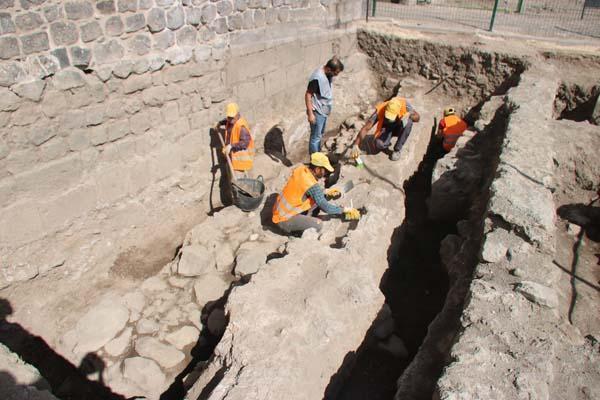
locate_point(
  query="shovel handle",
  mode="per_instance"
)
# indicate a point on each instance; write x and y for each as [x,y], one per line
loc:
[233,178]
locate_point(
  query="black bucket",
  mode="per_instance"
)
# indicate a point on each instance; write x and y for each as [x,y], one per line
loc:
[255,186]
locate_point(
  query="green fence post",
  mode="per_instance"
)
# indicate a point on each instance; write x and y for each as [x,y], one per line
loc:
[520,6]
[374,6]
[493,15]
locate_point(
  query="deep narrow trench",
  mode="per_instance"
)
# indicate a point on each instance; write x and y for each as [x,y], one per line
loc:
[414,286]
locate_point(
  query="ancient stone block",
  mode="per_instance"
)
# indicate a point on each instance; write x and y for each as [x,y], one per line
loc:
[157,62]
[11,73]
[165,3]
[108,52]
[62,57]
[259,18]
[34,42]
[30,90]
[68,79]
[154,96]
[156,20]
[114,26]
[220,25]
[145,4]
[90,31]
[127,5]
[137,83]
[78,140]
[139,44]
[28,21]
[167,356]
[117,130]
[277,3]
[135,22]
[209,288]
[283,14]
[186,36]
[248,19]
[123,69]
[80,57]
[6,3]
[224,8]
[177,55]
[52,13]
[78,9]
[106,6]
[193,16]
[241,5]
[97,135]
[140,123]
[6,24]
[271,16]
[175,18]
[235,22]
[164,40]
[209,13]
[9,47]
[53,103]
[64,33]
[8,100]
[27,4]
[95,115]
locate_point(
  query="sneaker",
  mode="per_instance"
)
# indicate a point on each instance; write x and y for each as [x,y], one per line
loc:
[395,156]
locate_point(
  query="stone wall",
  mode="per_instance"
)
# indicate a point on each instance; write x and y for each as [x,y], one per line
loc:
[137,111]
[41,37]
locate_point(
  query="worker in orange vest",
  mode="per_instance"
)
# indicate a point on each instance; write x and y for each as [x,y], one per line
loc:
[450,128]
[302,194]
[394,117]
[239,143]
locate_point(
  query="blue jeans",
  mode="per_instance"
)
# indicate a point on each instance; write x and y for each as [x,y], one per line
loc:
[401,132]
[316,133]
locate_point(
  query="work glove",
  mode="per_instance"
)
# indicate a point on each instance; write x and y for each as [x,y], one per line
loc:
[227,149]
[351,214]
[333,194]
[355,152]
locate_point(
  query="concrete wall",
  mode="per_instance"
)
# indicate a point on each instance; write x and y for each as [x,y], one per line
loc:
[78,143]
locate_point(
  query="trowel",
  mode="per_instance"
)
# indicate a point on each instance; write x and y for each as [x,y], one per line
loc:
[345,188]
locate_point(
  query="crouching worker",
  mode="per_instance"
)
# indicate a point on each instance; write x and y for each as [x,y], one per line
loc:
[302,194]
[239,144]
[450,128]
[393,118]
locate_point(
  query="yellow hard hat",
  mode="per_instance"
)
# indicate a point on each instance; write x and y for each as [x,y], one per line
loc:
[449,111]
[392,109]
[319,159]
[231,110]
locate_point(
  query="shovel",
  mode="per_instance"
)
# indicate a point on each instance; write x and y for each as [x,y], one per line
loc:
[234,181]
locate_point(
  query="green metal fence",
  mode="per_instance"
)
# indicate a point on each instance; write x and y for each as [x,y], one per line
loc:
[554,18]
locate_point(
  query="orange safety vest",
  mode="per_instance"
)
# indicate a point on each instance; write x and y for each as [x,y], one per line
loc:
[453,129]
[293,200]
[381,114]
[241,160]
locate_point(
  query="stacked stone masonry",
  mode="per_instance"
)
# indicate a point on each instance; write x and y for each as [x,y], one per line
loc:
[75,143]
[43,36]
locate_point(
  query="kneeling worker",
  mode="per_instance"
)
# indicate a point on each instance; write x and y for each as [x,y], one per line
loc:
[239,144]
[450,128]
[302,193]
[393,118]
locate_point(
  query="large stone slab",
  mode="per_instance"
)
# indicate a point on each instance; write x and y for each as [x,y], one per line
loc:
[98,326]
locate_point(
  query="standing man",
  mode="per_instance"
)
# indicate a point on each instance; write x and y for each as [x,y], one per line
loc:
[394,117]
[239,144]
[450,128]
[319,100]
[302,193]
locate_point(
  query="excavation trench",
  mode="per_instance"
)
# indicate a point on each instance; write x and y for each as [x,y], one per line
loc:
[428,276]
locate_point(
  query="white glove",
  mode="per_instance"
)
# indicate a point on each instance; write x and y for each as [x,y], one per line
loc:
[227,149]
